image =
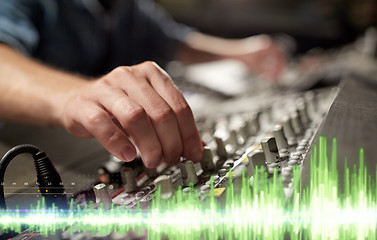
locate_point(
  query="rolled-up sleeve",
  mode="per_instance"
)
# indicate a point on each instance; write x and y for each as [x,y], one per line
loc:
[19,24]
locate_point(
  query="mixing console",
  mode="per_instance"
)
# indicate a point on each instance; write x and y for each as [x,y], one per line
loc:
[275,135]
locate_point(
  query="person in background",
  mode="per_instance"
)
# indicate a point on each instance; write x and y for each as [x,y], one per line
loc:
[88,66]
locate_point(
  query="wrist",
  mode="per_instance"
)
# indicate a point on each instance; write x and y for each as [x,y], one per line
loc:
[60,99]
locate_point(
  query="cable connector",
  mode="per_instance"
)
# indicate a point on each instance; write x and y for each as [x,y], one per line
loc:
[49,181]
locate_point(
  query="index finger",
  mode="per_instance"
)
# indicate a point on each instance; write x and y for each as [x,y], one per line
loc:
[163,84]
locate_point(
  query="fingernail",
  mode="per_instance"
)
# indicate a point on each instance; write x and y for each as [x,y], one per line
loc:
[128,154]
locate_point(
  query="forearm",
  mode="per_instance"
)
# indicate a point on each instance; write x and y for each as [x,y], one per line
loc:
[201,47]
[32,93]
[259,53]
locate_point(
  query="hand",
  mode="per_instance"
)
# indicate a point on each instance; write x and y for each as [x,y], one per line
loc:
[140,102]
[261,55]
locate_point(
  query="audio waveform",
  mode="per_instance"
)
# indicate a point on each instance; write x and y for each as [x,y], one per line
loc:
[322,210]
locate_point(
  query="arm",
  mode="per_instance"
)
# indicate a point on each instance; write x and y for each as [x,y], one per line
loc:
[173,40]
[138,101]
[32,93]
[259,53]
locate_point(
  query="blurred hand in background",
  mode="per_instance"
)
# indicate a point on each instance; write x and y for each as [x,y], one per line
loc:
[259,53]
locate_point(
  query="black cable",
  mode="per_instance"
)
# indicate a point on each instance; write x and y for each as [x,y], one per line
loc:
[4,162]
[49,181]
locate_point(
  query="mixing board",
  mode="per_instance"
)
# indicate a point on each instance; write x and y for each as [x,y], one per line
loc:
[275,135]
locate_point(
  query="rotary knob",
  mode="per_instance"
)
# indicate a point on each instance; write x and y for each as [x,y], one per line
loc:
[221,151]
[296,123]
[102,195]
[188,172]
[288,131]
[281,141]
[128,179]
[270,150]
[207,160]
[257,158]
[165,185]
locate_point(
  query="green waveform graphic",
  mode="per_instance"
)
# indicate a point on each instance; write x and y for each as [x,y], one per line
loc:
[320,211]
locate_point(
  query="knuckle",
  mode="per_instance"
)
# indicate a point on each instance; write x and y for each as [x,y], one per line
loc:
[162,115]
[182,109]
[133,115]
[112,138]
[85,95]
[150,64]
[166,78]
[119,105]
[102,83]
[96,118]
[76,129]
[121,71]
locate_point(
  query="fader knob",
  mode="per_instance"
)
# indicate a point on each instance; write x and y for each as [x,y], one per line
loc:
[207,160]
[188,172]
[281,141]
[257,158]
[303,111]
[128,179]
[296,123]
[258,120]
[270,149]
[221,151]
[288,132]
[233,138]
[102,195]
[166,186]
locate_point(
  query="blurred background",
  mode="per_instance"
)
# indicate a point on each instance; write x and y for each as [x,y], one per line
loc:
[312,23]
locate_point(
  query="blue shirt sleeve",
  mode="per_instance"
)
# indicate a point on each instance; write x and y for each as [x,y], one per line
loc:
[166,33]
[139,31]
[19,24]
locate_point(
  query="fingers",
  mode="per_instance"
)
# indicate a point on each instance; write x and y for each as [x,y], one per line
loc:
[277,61]
[279,64]
[162,83]
[99,124]
[140,102]
[161,116]
[135,122]
[264,57]
[170,115]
